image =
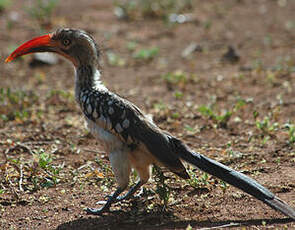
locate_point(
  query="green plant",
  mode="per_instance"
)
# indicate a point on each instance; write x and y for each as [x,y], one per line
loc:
[291,132]
[137,9]
[61,98]
[45,162]
[162,189]
[176,77]
[108,177]
[175,115]
[223,186]
[229,149]
[198,181]
[266,126]
[29,174]
[240,103]
[207,24]
[178,95]
[42,11]
[114,59]
[131,46]
[160,106]
[146,54]
[16,104]
[221,119]
[4,4]
[285,65]
[189,128]
[258,65]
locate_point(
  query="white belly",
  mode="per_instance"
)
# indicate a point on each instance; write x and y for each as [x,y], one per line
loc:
[109,140]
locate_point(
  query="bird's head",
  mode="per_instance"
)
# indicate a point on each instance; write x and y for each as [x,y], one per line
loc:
[76,45]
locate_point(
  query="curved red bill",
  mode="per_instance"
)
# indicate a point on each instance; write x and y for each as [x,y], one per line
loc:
[31,46]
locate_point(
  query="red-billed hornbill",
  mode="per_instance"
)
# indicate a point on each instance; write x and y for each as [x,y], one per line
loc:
[130,138]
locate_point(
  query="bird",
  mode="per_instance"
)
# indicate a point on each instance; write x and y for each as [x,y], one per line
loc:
[131,138]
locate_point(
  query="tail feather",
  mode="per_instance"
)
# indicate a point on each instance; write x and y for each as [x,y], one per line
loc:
[233,177]
[281,206]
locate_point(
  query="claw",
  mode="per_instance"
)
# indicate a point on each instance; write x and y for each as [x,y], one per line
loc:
[94,211]
[107,204]
[120,198]
[102,202]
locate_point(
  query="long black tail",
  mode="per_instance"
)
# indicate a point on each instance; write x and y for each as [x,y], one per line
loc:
[233,177]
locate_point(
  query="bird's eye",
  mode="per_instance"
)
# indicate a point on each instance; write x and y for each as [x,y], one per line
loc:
[66,42]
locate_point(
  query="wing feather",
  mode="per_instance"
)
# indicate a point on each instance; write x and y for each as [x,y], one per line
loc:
[126,121]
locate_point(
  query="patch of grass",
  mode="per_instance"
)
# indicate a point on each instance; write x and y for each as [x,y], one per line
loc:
[175,78]
[16,104]
[42,11]
[178,80]
[291,132]
[114,59]
[61,98]
[160,106]
[30,174]
[189,129]
[220,119]
[223,185]
[175,115]
[132,45]
[162,189]
[4,4]
[178,95]
[258,65]
[107,176]
[138,9]
[266,126]
[45,162]
[146,54]
[207,24]
[268,40]
[229,149]
[284,65]
[198,181]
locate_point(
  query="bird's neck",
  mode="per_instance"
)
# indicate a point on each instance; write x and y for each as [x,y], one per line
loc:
[88,79]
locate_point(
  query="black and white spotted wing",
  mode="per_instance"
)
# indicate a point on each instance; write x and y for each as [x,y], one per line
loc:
[125,120]
[111,111]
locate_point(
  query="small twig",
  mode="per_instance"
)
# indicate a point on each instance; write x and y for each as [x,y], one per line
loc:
[39,142]
[21,178]
[12,189]
[94,151]
[51,174]
[5,155]
[84,166]
[23,146]
[3,142]
[222,226]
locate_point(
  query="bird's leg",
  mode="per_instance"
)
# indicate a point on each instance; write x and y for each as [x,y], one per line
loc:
[142,166]
[121,168]
[131,191]
[111,199]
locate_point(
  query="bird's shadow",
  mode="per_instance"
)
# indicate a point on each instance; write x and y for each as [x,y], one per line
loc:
[158,220]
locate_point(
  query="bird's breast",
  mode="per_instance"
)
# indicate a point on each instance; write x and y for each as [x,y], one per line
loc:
[105,137]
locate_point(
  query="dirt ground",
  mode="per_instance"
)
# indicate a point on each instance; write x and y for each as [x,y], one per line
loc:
[235,108]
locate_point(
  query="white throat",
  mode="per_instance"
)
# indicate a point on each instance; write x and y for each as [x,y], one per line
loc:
[98,85]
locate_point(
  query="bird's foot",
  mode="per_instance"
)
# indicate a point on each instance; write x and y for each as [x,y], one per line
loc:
[98,211]
[130,197]
[95,211]
[120,198]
